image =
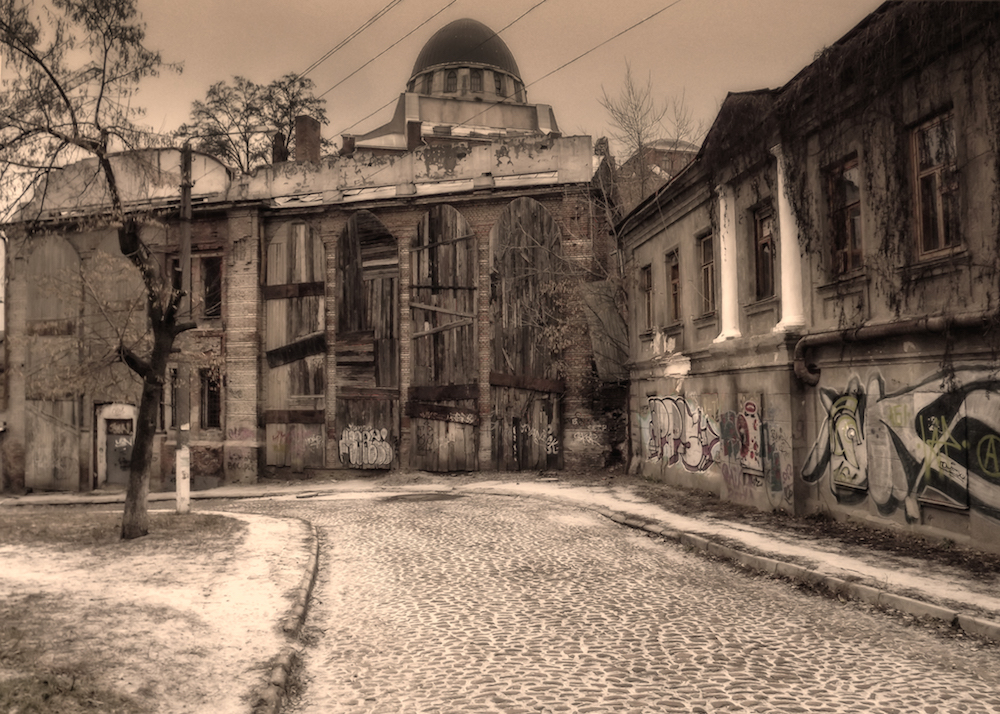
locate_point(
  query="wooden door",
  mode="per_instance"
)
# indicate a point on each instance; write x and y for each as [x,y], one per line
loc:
[295,348]
[527,314]
[443,403]
[367,345]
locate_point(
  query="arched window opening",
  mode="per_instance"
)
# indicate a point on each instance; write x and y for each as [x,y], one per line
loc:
[476,80]
[451,82]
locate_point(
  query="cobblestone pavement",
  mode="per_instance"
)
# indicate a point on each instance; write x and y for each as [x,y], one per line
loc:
[493,604]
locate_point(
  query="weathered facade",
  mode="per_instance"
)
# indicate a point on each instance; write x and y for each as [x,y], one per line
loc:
[406,304]
[814,300]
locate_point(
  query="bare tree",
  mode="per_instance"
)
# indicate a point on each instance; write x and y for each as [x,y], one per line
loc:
[236,121]
[76,68]
[657,139]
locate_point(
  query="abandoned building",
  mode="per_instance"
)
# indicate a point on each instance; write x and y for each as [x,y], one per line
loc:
[813,321]
[416,301]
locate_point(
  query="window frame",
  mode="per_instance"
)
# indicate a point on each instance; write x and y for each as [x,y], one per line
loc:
[944,173]
[646,299]
[210,402]
[498,84]
[764,244]
[210,310]
[672,262]
[707,272]
[476,81]
[844,217]
[451,82]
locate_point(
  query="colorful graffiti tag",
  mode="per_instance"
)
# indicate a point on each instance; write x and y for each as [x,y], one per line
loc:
[365,447]
[936,442]
[748,453]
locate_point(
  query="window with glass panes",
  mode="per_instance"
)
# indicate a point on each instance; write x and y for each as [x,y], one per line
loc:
[936,184]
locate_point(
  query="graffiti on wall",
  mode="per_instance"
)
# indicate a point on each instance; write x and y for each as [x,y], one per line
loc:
[746,450]
[362,446]
[680,432]
[928,443]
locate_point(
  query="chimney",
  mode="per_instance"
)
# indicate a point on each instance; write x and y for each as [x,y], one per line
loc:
[279,149]
[307,139]
[413,135]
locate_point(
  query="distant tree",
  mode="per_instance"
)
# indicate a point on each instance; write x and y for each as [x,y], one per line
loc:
[656,139]
[74,67]
[236,121]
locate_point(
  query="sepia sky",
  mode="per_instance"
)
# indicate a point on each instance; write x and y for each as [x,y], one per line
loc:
[698,49]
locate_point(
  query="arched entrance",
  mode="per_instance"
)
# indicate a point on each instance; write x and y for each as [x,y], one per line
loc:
[527,314]
[443,402]
[367,345]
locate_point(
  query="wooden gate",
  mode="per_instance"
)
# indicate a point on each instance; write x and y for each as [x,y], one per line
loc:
[528,320]
[295,348]
[443,402]
[367,346]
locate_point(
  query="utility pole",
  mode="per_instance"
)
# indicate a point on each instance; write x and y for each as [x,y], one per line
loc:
[183,406]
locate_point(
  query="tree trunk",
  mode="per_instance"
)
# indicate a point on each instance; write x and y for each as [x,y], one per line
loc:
[135,519]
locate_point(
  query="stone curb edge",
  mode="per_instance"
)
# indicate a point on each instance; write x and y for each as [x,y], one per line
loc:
[270,698]
[975,626]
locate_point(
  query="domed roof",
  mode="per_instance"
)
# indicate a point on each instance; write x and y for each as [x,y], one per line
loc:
[466,42]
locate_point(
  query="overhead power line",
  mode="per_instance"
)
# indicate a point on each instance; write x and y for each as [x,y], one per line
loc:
[386,50]
[364,26]
[389,103]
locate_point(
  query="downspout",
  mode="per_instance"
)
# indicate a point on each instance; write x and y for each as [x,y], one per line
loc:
[810,373]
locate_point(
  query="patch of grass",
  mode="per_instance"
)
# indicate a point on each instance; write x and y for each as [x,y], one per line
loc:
[82,527]
[64,691]
[28,684]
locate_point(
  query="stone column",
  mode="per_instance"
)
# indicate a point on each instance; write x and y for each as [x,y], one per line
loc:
[729,302]
[792,309]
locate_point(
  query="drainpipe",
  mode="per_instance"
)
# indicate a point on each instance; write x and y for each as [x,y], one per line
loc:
[809,373]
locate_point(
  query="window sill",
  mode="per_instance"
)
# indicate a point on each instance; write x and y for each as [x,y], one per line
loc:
[709,318]
[762,305]
[941,263]
[854,279]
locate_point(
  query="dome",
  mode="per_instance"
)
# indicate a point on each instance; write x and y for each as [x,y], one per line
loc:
[466,43]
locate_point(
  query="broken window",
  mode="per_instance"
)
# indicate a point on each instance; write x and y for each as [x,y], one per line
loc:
[211,283]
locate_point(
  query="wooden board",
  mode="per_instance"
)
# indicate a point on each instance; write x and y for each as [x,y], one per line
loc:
[367,345]
[295,346]
[444,397]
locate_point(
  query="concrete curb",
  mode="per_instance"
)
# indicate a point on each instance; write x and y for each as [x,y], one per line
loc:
[270,699]
[977,627]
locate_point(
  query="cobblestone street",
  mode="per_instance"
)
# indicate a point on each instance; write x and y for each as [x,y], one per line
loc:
[428,603]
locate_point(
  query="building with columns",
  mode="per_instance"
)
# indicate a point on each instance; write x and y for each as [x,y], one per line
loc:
[814,310]
[415,302]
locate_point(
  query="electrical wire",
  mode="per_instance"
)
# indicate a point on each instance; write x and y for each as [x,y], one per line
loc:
[386,50]
[390,102]
[364,26]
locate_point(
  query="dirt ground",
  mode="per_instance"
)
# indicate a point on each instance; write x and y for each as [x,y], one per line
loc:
[91,623]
